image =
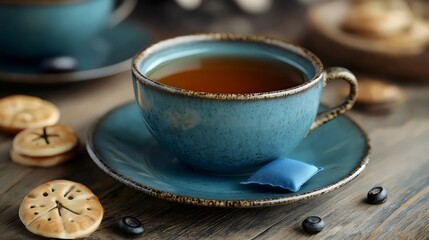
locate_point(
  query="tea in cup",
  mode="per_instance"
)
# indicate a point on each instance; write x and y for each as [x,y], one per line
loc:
[229,104]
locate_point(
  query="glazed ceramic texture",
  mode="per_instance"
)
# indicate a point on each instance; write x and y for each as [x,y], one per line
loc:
[228,136]
[124,148]
[43,30]
[233,133]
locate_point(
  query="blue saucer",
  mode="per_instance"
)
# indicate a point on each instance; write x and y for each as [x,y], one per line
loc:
[108,54]
[123,147]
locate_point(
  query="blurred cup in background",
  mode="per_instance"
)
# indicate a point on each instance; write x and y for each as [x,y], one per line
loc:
[36,29]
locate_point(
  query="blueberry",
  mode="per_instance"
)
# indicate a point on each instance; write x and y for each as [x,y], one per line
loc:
[61,64]
[131,226]
[313,224]
[377,195]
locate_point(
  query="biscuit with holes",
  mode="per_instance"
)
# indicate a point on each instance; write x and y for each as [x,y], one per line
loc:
[61,209]
[45,146]
[18,112]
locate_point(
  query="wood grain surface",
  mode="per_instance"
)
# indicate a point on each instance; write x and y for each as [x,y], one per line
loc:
[399,162]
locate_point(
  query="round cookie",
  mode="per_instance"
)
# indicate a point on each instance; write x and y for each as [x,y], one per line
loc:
[42,161]
[18,112]
[45,141]
[414,40]
[45,146]
[377,97]
[378,18]
[376,92]
[61,209]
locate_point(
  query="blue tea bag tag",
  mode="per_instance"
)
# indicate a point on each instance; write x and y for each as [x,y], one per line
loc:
[284,173]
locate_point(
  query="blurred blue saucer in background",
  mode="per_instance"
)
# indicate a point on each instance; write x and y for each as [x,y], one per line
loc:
[108,54]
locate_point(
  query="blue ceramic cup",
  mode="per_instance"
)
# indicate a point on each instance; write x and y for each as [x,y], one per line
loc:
[32,29]
[233,133]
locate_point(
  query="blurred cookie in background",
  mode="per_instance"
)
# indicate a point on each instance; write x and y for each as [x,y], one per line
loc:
[390,24]
[378,19]
[248,6]
[382,37]
[376,96]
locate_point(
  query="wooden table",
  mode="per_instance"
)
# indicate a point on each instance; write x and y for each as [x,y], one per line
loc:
[399,162]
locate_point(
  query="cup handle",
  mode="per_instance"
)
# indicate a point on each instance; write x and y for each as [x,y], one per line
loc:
[347,104]
[121,12]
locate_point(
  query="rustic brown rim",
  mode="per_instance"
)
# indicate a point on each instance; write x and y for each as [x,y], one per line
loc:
[99,161]
[153,49]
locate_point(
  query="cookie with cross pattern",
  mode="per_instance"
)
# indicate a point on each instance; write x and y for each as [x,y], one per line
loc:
[45,146]
[61,209]
[18,112]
